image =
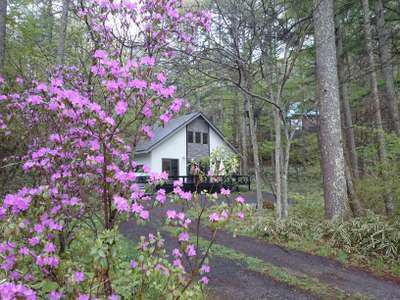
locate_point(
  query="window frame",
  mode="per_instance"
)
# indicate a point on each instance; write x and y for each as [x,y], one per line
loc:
[205,140]
[170,160]
[197,135]
[190,136]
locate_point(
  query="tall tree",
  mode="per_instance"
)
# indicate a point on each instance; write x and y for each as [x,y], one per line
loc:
[63,32]
[388,198]
[343,65]
[385,51]
[349,147]
[3,15]
[332,158]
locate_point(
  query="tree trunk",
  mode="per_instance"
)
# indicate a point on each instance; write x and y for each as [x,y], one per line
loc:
[277,150]
[49,19]
[3,15]
[347,120]
[332,158]
[285,172]
[349,147]
[63,33]
[355,203]
[277,164]
[254,144]
[245,158]
[389,206]
[385,52]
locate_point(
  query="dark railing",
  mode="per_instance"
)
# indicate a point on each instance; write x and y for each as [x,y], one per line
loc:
[209,183]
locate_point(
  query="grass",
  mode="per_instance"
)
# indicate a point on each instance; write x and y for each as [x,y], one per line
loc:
[308,208]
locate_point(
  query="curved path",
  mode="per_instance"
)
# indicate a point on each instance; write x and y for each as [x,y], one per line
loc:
[233,278]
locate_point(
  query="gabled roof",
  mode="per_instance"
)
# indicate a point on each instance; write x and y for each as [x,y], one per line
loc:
[173,126]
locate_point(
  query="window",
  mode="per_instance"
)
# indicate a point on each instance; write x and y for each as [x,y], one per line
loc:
[190,136]
[205,138]
[171,166]
[198,137]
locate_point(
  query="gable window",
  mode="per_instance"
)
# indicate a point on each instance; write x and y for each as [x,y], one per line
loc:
[198,137]
[190,136]
[205,138]
[171,166]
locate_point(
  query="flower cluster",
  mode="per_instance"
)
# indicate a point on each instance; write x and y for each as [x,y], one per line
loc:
[81,156]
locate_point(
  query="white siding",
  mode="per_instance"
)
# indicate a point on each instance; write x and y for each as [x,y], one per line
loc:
[143,159]
[217,142]
[173,147]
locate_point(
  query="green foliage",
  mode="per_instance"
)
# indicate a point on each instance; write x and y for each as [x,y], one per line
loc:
[379,179]
[223,162]
[153,278]
[370,236]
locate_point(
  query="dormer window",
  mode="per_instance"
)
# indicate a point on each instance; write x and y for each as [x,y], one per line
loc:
[205,138]
[198,137]
[190,136]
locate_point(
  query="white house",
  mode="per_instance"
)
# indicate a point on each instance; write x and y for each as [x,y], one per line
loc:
[181,140]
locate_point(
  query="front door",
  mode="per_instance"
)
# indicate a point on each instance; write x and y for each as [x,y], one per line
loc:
[171,166]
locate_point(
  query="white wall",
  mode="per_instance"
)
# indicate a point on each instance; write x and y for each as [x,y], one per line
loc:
[143,159]
[173,147]
[217,142]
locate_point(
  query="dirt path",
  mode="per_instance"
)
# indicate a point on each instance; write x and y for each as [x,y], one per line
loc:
[233,279]
[228,279]
[333,273]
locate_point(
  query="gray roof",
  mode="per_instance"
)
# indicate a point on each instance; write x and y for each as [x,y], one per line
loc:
[162,133]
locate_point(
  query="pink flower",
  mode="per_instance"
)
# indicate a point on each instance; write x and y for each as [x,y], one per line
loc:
[19,81]
[144,214]
[24,251]
[176,105]
[191,250]
[205,269]
[183,237]
[149,61]
[204,280]
[177,263]
[225,192]
[50,248]
[186,196]
[148,131]
[171,214]
[137,84]
[136,208]
[41,87]
[240,215]
[83,297]
[133,264]
[224,214]
[214,217]
[79,277]
[100,54]
[34,241]
[161,196]
[55,295]
[240,200]
[121,203]
[121,108]
[161,77]
[165,118]
[34,99]
[176,253]
[111,86]
[178,183]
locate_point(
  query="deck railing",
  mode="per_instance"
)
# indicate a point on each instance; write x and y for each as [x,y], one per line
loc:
[209,183]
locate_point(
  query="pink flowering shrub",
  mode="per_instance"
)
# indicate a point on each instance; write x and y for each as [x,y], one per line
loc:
[59,234]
